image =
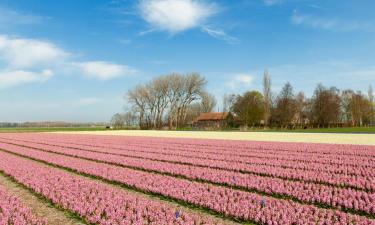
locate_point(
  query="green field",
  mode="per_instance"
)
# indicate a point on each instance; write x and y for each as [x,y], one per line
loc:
[49,129]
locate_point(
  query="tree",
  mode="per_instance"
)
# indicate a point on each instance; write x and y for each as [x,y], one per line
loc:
[169,95]
[205,105]
[186,89]
[346,105]
[249,108]
[208,102]
[137,98]
[371,100]
[357,109]
[228,101]
[118,121]
[301,108]
[361,109]
[130,119]
[326,106]
[267,97]
[286,106]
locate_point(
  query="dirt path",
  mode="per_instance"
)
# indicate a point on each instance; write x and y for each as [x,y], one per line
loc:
[38,207]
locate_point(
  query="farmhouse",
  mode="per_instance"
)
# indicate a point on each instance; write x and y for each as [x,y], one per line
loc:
[214,120]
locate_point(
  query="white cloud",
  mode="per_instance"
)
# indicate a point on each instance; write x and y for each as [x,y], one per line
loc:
[103,70]
[23,59]
[175,16]
[241,80]
[330,23]
[29,53]
[316,22]
[220,34]
[16,77]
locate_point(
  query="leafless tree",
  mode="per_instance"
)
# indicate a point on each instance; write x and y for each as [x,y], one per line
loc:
[300,108]
[208,102]
[186,90]
[267,97]
[169,95]
[137,97]
[357,108]
[371,99]
[228,101]
[118,121]
[130,119]
[346,105]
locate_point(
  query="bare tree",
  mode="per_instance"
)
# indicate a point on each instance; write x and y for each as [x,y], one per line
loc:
[346,105]
[228,101]
[189,89]
[267,97]
[208,102]
[118,121]
[205,105]
[138,99]
[130,119]
[357,108]
[361,109]
[300,108]
[371,99]
[171,94]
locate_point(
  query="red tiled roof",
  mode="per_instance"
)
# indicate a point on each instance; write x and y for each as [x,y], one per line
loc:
[213,116]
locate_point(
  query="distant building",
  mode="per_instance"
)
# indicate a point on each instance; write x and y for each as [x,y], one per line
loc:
[214,120]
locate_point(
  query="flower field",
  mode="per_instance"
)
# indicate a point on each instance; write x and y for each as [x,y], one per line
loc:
[146,180]
[12,211]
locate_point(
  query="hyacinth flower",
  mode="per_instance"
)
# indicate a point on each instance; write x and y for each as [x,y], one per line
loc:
[263,203]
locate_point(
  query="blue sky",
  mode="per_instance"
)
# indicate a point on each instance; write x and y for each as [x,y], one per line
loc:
[73,60]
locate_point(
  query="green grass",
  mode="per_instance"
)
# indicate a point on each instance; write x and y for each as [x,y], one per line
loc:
[48,129]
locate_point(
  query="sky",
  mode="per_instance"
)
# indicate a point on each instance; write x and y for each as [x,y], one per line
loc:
[74,60]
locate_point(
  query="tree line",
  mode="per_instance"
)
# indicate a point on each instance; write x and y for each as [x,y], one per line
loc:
[327,107]
[173,101]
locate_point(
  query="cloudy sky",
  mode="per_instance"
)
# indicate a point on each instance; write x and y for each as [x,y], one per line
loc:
[73,60]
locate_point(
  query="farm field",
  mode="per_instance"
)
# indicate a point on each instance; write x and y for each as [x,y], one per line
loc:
[103,179]
[329,138]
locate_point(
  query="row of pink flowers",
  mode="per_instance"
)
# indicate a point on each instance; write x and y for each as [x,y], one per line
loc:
[12,211]
[238,155]
[96,202]
[225,145]
[191,157]
[313,193]
[320,176]
[234,203]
